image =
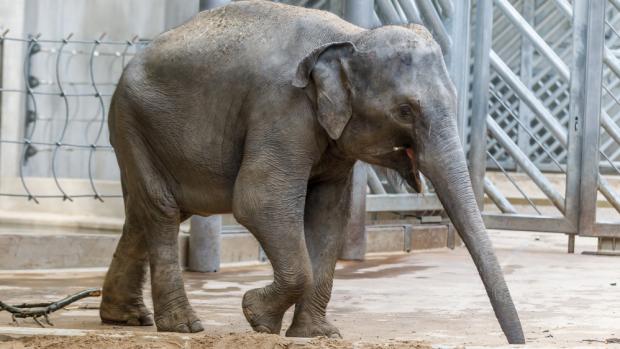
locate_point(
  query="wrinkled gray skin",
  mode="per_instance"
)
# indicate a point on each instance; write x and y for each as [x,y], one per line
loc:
[261,109]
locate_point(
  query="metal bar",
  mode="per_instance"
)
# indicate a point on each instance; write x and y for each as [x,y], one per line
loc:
[359,12]
[611,230]
[209,4]
[480,97]
[525,73]
[585,109]
[498,198]
[459,62]
[447,8]
[554,126]
[608,57]
[399,10]
[514,183]
[528,131]
[376,187]
[540,44]
[433,22]
[402,202]
[387,12]
[91,64]
[522,222]
[564,7]
[411,11]
[608,192]
[528,167]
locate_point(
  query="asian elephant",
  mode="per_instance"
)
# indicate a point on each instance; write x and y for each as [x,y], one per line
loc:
[261,109]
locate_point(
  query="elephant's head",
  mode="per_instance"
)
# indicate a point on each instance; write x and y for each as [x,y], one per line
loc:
[385,98]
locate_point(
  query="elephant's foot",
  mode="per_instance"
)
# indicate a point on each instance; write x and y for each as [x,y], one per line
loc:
[180,319]
[304,325]
[135,314]
[264,313]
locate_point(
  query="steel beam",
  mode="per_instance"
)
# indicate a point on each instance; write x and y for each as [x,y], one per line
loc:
[411,11]
[402,202]
[525,73]
[585,107]
[209,4]
[527,96]
[388,12]
[459,62]
[497,197]
[527,223]
[480,98]
[523,26]
[359,12]
[433,22]
[528,167]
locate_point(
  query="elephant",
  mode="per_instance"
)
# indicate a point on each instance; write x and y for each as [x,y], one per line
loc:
[261,110]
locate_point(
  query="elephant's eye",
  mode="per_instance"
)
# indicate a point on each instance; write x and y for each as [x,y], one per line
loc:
[405,112]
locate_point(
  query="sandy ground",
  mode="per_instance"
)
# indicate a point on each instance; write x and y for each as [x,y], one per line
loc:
[422,299]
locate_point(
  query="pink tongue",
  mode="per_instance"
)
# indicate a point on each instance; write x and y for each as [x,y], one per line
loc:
[410,153]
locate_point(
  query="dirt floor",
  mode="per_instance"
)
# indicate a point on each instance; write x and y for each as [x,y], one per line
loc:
[419,300]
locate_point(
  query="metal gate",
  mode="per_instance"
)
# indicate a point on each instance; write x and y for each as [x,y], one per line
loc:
[538,96]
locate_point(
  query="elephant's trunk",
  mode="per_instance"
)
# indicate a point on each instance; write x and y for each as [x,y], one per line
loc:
[442,160]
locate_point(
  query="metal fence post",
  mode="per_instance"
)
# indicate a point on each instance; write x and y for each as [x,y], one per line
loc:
[209,4]
[205,233]
[459,25]
[358,12]
[204,243]
[527,62]
[585,113]
[480,99]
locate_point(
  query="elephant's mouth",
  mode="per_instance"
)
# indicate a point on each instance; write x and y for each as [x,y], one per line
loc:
[412,175]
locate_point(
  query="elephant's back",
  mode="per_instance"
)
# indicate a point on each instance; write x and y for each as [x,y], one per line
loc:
[249,37]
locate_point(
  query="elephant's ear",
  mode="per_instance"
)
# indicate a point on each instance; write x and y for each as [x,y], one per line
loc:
[325,68]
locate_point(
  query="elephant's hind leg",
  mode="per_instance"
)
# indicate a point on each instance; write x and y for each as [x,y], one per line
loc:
[122,301]
[152,222]
[325,220]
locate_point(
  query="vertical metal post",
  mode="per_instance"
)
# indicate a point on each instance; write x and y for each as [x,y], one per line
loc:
[209,4]
[527,61]
[205,233]
[354,247]
[480,100]
[585,113]
[459,62]
[358,12]
[204,243]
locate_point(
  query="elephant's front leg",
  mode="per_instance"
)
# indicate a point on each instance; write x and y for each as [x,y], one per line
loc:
[326,217]
[269,200]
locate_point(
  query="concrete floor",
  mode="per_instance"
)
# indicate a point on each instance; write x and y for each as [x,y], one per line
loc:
[433,296]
